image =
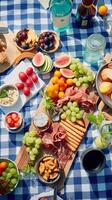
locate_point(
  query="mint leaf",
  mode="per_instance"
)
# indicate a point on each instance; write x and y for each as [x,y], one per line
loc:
[100,118]
[92,118]
[3,94]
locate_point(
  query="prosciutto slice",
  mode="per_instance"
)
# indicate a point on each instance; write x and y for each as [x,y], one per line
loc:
[55,141]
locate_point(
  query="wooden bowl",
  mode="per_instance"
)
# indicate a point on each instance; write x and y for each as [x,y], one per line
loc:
[33,36]
[57,42]
[105,98]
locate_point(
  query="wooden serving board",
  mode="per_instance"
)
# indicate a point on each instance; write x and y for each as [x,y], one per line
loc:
[11,50]
[75,134]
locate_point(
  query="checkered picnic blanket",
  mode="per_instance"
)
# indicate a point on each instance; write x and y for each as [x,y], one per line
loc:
[79,185]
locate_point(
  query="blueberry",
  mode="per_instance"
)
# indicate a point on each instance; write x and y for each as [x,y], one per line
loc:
[47,41]
[25,46]
[51,37]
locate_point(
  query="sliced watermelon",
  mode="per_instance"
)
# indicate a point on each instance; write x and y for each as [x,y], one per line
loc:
[67,73]
[38,59]
[62,61]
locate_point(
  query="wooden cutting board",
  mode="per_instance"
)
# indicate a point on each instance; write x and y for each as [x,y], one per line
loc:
[11,50]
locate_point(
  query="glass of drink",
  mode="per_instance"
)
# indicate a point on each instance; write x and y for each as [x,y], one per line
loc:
[93,160]
[94,49]
[105,137]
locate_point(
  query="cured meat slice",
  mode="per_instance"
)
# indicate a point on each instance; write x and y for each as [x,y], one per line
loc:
[59,133]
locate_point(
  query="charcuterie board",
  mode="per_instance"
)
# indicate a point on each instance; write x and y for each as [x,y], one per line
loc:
[75,131]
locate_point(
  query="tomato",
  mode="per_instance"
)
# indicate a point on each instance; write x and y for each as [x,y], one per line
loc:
[29,83]
[20,86]
[16,125]
[23,77]
[14,115]
[11,124]
[29,71]
[8,119]
[34,78]
[26,91]
[3,165]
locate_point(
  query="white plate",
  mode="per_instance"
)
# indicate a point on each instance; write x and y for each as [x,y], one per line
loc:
[44,194]
[13,78]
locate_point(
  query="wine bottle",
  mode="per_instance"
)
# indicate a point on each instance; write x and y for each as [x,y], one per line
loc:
[85,13]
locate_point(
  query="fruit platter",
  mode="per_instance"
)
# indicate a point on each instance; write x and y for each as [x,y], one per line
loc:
[60,122]
[104,83]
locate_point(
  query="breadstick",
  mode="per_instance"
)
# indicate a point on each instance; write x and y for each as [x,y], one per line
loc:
[73,140]
[72,148]
[71,143]
[72,136]
[76,126]
[101,105]
[73,128]
[71,131]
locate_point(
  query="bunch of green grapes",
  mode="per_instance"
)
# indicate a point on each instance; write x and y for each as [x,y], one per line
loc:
[71,111]
[32,143]
[83,76]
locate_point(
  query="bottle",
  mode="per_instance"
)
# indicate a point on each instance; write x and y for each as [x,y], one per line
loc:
[85,13]
[61,14]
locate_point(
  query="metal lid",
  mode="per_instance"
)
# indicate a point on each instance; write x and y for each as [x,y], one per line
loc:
[96,42]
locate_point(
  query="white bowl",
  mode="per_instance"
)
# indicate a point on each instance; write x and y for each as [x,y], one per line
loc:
[11,129]
[4,87]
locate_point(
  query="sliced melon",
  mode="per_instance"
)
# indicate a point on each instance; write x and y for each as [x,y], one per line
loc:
[62,61]
[67,73]
[47,65]
[38,59]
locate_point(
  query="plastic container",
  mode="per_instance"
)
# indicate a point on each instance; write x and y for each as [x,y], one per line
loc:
[94,49]
[61,14]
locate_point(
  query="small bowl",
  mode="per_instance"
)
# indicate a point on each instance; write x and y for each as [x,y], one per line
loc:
[5,87]
[57,41]
[32,35]
[20,122]
[54,181]
[18,178]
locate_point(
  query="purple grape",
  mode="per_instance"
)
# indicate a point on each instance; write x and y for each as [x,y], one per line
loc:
[18,41]
[48,34]
[52,38]
[22,35]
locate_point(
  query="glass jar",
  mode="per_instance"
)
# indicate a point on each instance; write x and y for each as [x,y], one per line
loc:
[94,49]
[105,135]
